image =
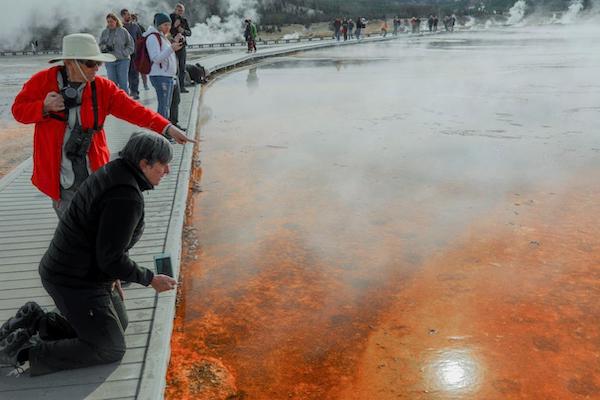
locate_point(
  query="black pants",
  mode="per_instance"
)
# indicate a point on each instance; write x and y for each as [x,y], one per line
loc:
[134,78]
[181,59]
[175,100]
[93,330]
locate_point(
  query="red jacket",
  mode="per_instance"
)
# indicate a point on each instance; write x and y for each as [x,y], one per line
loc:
[49,132]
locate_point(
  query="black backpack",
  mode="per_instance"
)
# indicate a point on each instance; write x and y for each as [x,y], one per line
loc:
[197,73]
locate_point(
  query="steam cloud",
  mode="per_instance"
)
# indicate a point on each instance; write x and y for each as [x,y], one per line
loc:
[47,21]
[228,26]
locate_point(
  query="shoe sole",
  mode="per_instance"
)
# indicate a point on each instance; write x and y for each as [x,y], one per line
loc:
[25,318]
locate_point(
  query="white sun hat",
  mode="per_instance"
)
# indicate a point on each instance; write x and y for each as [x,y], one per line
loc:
[82,46]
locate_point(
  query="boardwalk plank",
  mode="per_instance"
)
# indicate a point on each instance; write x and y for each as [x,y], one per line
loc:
[94,391]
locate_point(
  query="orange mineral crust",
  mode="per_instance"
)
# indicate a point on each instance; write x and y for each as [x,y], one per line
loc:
[15,145]
[507,310]
[405,220]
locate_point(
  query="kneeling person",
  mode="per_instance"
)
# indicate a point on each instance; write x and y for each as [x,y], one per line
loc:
[87,258]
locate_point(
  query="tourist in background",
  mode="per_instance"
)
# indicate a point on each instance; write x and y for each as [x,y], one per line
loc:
[384,27]
[180,26]
[337,25]
[136,33]
[250,34]
[396,24]
[345,28]
[134,18]
[358,28]
[117,41]
[164,62]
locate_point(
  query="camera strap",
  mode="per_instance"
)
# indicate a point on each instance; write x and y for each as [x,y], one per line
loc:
[61,84]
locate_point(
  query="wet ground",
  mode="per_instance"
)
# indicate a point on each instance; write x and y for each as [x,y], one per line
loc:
[405,220]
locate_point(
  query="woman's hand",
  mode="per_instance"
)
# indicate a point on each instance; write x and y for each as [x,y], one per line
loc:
[120,291]
[162,283]
[177,45]
[179,135]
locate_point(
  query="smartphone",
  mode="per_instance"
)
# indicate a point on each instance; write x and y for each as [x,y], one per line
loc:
[163,264]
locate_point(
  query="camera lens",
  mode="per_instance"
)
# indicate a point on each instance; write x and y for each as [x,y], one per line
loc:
[70,93]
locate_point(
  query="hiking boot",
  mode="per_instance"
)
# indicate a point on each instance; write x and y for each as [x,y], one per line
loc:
[13,344]
[26,318]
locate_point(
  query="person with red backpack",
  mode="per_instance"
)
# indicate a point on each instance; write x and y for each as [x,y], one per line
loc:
[161,54]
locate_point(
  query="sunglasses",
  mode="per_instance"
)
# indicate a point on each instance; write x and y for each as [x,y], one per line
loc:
[90,63]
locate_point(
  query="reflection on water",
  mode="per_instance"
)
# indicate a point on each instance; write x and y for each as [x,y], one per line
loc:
[454,371]
[252,79]
[365,211]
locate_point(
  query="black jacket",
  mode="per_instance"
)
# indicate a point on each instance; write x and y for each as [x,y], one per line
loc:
[105,219]
[183,28]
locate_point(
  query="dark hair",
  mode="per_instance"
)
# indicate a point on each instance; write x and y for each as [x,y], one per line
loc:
[147,146]
[123,11]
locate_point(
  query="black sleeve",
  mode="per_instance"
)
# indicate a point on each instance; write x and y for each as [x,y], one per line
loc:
[119,217]
[186,28]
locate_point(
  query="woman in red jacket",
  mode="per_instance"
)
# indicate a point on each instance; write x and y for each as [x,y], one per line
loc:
[68,105]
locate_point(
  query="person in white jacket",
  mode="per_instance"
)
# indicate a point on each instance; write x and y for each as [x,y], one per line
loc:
[164,62]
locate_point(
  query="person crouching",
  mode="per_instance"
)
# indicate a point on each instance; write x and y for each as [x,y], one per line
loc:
[87,259]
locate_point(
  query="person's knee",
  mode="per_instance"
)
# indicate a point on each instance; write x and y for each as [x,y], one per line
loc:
[112,352]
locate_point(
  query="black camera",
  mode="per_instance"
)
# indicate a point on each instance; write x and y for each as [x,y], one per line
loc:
[79,142]
[70,97]
[107,48]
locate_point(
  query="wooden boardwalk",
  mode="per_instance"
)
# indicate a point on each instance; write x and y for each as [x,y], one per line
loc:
[27,223]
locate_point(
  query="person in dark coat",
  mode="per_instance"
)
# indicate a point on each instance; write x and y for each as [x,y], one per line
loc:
[136,33]
[85,263]
[179,25]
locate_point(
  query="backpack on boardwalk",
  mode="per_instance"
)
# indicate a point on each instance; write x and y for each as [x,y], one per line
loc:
[197,73]
[142,61]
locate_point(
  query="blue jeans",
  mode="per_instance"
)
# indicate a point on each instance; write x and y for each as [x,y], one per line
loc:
[164,92]
[118,72]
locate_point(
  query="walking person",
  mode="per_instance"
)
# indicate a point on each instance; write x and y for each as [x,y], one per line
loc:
[250,34]
[180,26]
[337,26]
[85,263]
[68,105]
[345,29]
[358,28]
[164,62]
[350,28]
[117,41]
[430,23]
[136,33]
[384,27]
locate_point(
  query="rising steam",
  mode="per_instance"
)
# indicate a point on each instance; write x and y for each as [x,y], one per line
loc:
[47,21]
